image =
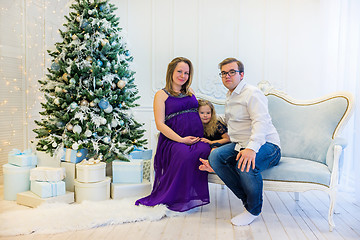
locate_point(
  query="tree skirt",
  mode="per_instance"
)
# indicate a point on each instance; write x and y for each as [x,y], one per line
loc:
[51,218]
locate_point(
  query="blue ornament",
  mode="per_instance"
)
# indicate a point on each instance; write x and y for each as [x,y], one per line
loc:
[55,66]
[73,105]
[103,104]
[99,63]
[84,24]
[120,105]
[121,122]
[102,7]
[127,53]
[95,135]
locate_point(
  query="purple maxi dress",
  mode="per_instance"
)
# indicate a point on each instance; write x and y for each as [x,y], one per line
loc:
[179,184]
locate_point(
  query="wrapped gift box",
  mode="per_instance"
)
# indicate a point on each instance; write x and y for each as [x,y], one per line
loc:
[47,174]
[44,159]
[22,159]
[122,190]
[74,156]
[16,179]
[90,171]
[70,175]
[98,191]
[48,189]
[30,199]
[139,153]
[127,172]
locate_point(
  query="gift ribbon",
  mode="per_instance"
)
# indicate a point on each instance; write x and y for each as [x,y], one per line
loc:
[16,151]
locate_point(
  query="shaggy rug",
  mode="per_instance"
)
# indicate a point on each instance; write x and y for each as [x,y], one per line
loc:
[60,217]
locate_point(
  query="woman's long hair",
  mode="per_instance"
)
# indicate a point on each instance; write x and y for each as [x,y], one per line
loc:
[211,126]
[185,89]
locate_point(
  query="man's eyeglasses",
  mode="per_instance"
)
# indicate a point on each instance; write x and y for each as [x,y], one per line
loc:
[231,73]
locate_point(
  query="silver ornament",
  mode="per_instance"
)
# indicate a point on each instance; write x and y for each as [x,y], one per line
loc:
[77,129]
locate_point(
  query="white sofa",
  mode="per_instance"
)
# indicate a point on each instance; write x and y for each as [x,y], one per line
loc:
[310,145]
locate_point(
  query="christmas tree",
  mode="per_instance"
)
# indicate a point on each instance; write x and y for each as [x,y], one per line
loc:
[90,88]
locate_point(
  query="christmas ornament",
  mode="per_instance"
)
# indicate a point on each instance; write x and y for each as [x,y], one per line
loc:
[107,139]
[103,121]
[124,131]
[103,104]
[75,146]
[84,24]
[57,101]
[65,76]
[127,53]
[73,105]
[104,42]
[121,122]
[114,123]
[92,104]
[84,103]
[89,59]
[95,135]
[78,154]
[78,19]
[45,147]
[99,63]
[55,66]
[86,82]
[74,37]
[109,109]
[88,133]
[77,129]
[69,127]
[121,84]
[120,105]
[113,86]
[59,124]
[54,144]
[72,81]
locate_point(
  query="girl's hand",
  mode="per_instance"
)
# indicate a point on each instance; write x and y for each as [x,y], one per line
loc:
[190,140]
[205,140]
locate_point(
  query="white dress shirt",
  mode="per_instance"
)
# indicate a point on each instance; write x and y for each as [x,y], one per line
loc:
[248,119]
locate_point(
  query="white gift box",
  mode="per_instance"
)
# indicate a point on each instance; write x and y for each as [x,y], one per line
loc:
[98,191]
[44,159]
[30,199]
[48,189]
[47,174]
[124,190]
[16,179]
[22,159]
[88,172]
[70,175]
[127,172]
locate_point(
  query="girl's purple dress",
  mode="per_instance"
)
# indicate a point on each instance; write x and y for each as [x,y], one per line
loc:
[179,183]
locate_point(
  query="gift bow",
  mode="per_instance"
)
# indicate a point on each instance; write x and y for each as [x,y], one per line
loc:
[91,161]
[18,152]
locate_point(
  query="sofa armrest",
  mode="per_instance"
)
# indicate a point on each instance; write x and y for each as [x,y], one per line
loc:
[330,161]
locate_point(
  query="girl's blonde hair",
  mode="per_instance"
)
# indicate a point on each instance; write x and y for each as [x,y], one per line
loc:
[211,126]
[185,89]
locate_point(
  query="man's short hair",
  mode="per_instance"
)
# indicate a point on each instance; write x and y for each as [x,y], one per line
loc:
[230,60]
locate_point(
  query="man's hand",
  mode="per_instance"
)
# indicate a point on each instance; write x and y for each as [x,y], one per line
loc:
[246,158]
[190,140]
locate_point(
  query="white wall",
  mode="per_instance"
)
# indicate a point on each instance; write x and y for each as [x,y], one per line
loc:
[297,45]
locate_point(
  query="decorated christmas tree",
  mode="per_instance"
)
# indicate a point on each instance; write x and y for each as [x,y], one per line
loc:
[89,88]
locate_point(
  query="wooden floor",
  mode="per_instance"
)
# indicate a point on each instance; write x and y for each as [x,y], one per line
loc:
[282,218]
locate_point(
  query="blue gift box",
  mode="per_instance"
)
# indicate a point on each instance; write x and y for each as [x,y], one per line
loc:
[48,189]
[140,153]
[127,172]
[22,159]
[74,156]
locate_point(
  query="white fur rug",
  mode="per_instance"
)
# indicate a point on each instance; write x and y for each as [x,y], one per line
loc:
[60,217]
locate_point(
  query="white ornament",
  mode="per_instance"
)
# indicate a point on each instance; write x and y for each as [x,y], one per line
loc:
[114,123]
[88,133]
[57,101]
[54,144]
[77,129]
[75,146]
[103,121]
[45,147]
[109,109]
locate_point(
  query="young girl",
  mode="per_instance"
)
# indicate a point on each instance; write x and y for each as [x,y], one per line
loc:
[215,133]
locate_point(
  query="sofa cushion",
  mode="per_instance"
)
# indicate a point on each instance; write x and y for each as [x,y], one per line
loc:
[298,170]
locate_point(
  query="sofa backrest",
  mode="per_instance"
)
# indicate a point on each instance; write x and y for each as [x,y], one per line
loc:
[307,128]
